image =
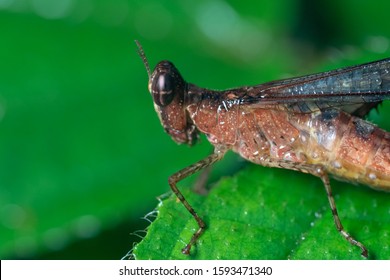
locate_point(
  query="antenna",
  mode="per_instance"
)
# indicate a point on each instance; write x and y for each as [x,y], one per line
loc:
[143,57]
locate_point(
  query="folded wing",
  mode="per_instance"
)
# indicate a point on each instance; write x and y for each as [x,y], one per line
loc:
[355,90]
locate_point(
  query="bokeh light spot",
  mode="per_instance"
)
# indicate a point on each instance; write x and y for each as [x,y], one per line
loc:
[4,4]
[12,216]
[52,9]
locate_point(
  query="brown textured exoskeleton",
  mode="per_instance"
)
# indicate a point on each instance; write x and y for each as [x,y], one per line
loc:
[310,124]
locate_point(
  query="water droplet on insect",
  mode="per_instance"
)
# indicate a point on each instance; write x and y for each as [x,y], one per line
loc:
[336,164]
[287,156]
[372,176]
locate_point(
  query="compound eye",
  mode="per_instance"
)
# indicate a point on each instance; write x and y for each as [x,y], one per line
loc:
[163,90]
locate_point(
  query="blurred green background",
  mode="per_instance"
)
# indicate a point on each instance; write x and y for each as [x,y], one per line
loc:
[82,153]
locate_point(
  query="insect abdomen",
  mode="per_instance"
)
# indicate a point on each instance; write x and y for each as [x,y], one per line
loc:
[357,151]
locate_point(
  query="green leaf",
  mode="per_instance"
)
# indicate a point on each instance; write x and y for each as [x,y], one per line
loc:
[264,213]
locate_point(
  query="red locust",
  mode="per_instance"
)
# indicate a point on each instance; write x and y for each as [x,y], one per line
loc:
[312,124]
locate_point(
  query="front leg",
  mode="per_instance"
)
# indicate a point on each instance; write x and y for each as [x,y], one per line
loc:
[218,154]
